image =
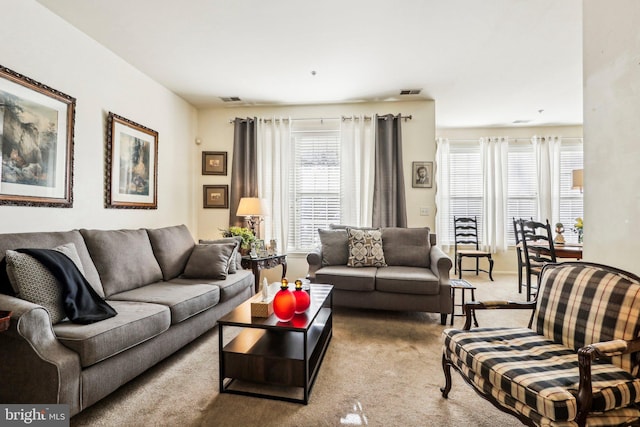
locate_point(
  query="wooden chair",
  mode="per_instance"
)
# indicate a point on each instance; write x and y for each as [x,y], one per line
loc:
[519,253]
[538,250]
[466,235]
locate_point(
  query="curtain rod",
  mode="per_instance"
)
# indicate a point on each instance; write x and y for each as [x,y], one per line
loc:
[564,138]
[343,118]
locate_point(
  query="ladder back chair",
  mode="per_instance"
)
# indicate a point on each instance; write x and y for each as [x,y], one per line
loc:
[538,250]
[467,244]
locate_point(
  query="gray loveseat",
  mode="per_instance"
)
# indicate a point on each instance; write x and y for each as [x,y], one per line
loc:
[415,278]
[140,273]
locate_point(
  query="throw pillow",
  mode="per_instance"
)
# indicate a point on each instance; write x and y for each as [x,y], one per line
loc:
[406,246]
[235,260]
[209,261]
[365,248]
[335,246]
[33,282]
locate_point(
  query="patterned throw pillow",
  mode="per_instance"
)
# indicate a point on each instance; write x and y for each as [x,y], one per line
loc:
[33,282]
[365,248]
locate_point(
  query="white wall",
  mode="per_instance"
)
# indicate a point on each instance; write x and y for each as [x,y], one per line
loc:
[418,136]
[506,262]
[611,52]
[42,46]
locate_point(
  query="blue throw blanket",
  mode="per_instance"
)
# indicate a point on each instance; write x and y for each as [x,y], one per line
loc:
[81,302]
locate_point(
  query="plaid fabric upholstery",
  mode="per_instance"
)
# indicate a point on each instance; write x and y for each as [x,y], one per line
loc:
[534,375]
[582,304]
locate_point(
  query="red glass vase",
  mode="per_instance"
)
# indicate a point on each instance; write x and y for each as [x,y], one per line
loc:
[303,300]
[284,303]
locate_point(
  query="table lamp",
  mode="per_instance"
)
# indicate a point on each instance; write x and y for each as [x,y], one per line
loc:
[576,179]
[252,209]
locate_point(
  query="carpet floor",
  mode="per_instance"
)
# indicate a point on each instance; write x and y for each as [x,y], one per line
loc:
[381,369]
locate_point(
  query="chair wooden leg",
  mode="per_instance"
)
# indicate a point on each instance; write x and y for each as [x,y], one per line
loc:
[491,269]
[477,266]
[446,367]
[519,277]
[459,267]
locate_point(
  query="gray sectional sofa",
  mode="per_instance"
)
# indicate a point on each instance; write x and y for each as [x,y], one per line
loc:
[415,278]
[140,274]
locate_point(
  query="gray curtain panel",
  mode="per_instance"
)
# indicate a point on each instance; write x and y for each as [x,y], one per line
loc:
[244,169]
[389,201]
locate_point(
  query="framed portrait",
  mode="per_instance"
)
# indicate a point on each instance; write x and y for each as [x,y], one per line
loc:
[422,175]
[36,143]
[214,163]
[131,165]
[215,196]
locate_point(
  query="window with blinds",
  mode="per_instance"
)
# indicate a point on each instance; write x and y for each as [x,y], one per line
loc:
[522,188]
[314,186]
[571,206]
[465,179]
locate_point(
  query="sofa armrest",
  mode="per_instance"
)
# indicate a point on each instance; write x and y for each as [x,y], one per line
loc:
[440,264]
[314,259]
[35,366]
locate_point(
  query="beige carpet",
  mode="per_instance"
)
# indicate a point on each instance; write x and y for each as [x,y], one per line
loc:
[381,369]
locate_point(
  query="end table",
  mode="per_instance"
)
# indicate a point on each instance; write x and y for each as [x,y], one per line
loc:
[264,263]
[464,286]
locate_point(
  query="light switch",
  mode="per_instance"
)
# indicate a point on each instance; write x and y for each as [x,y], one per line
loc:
[424,211]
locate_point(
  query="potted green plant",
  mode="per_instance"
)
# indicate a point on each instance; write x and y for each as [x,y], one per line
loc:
[247,237]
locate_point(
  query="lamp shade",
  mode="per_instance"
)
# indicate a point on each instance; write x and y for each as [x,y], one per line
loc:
[251,206]
[576,179]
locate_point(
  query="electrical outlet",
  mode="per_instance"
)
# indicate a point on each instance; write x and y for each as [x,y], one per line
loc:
[424,211]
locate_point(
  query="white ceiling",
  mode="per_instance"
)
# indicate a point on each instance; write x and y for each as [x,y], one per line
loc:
[485,63]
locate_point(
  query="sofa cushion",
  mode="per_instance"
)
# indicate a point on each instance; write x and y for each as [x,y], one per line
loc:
[571,313]
[184,301]
[172,247]
[347,278]
[235,261]
[135,323]
[537,372]
[209,261]
[406,246]
[335,246]
[407,280]
[233,285]
[365,248]
[124,259]
[48,240]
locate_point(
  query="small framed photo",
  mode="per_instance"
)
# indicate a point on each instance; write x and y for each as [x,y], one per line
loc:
[422,175]
[214,163]
[215,196]
[131,165]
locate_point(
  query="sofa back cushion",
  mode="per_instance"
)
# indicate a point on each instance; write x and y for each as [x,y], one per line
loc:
[124,259]
[172,247]
[582,303]
[335,246]
[49,240]
[408,247]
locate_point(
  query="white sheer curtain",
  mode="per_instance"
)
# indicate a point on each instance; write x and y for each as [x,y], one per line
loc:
[274,148]
[547,152]
[357,170]
[443,216]
[494,160]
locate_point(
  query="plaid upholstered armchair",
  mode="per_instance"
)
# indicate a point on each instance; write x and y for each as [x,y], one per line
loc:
[576,364]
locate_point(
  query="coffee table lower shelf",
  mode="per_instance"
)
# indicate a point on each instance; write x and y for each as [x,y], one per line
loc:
[275,363]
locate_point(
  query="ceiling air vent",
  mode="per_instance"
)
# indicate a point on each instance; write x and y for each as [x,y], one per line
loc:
[230,98]
[410,91]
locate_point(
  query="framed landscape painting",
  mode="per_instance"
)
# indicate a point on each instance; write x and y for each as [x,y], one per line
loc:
[131,165]
[214,163]
[36,143]
[215,196]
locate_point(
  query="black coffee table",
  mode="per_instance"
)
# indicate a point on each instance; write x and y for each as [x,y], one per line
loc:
[274,359]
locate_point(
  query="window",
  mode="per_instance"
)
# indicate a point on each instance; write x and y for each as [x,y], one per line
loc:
[465,178]
[522,189]
[466,193]
[314,185]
